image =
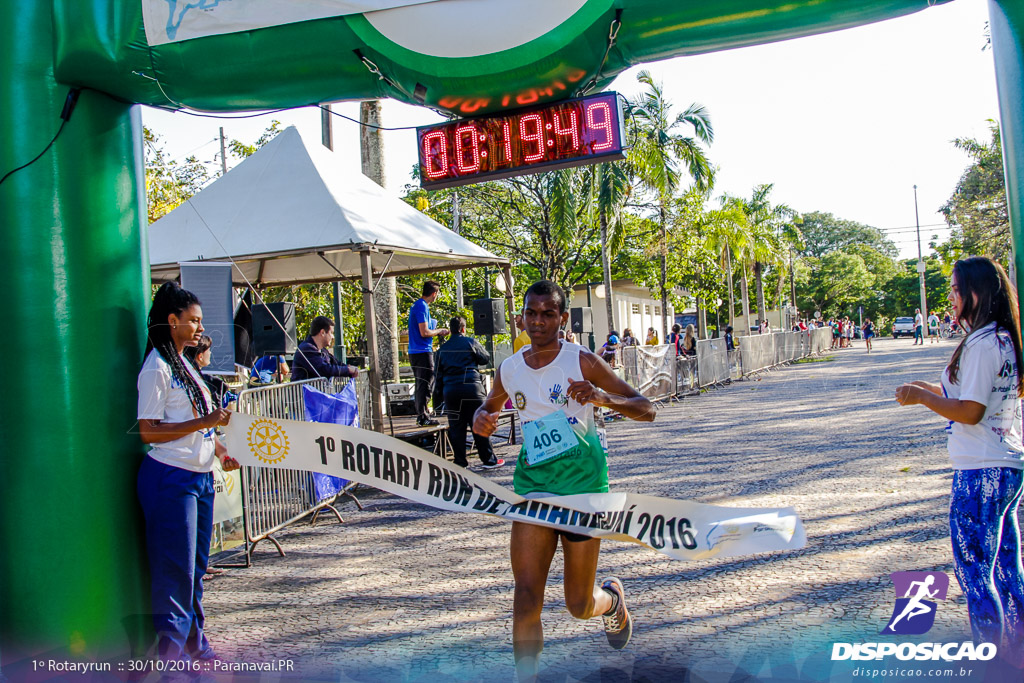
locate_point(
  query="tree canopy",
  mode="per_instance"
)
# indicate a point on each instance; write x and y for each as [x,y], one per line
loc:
[977,210]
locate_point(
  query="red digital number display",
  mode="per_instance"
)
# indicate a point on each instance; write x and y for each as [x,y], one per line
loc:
[580,131]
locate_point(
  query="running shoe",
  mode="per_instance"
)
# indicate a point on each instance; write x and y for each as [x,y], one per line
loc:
[618,625]
[500,462]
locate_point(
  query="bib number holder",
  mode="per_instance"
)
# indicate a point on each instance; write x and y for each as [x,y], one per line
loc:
[548,438]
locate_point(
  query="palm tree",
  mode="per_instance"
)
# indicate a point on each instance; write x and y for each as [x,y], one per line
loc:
[765,245]
[610,187]
[727,230]
[792,240]
[659,155]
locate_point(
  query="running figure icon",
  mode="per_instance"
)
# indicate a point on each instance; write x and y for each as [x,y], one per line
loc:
[915,607]
[914,613]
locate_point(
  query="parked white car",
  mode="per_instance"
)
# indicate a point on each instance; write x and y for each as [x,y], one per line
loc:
[903,327]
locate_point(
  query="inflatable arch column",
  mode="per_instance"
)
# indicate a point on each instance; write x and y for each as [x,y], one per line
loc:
[75,283]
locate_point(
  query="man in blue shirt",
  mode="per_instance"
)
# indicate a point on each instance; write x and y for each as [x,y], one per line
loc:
[313,359]
[421,349]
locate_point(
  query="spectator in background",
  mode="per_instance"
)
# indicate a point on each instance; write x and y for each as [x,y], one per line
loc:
[459,385]
[609,348]
[628,339]
[849,332]
[422,330]
[689,343]
[675,338]
[933,327]
[730,345]
[652,337]
[522,339]
[918,327]
[313,359]
[200,356]
[270,369]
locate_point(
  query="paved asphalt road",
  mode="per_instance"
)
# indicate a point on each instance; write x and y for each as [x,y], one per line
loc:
[401,592]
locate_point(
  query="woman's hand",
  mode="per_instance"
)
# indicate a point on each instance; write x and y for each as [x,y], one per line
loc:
[928,386]
[218,418]
[227,463]
[909,394]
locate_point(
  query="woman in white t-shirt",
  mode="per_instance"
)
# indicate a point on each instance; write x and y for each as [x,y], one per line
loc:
[980,396]
[177,418]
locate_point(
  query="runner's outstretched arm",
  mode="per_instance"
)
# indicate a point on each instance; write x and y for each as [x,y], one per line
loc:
[603,388]
[485,419]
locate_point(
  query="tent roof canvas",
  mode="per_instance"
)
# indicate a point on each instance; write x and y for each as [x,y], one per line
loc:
[290,214]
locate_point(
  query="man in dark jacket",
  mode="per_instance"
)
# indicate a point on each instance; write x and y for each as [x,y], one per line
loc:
[313,359]
[458,381]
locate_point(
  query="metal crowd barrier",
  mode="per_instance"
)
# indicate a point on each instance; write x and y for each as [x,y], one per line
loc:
[712,362]
[687,380]
[651,370]
[272,498]
[656,373]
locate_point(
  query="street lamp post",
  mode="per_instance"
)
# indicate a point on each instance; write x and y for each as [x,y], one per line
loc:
[920,261]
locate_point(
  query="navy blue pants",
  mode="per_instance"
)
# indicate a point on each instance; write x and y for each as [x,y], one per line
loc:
[178,505]
[987,553]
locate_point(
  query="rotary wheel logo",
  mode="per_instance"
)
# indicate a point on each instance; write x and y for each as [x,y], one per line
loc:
[520,400]
[267,441]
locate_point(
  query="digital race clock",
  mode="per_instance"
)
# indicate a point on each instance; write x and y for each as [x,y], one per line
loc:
[585,130]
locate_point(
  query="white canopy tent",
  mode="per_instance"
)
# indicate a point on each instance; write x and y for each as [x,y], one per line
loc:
[291,214]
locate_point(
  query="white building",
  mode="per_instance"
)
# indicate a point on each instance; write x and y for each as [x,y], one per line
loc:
[633,307]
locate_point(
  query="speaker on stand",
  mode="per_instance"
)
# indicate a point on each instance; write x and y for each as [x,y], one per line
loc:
[489,320]
[273,329]
[581,321]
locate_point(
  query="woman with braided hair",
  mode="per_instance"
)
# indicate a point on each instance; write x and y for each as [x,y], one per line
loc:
[177,418]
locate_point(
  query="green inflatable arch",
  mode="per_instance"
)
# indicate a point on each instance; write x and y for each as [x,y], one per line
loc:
[75,271]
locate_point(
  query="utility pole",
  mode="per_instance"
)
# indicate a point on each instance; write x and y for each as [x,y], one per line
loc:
[223,156]
[920,263]
[385,299]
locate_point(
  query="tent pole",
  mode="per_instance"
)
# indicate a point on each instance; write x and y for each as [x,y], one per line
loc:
[339,320]
[510,300]
[373,374]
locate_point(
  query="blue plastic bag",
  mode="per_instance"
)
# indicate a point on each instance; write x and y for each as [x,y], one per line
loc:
[341,409]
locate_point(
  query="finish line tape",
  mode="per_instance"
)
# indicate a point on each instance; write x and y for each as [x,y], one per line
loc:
[681,529]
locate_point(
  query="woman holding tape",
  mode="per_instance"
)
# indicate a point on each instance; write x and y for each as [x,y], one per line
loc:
[980,396]
[178,418]
[555,386]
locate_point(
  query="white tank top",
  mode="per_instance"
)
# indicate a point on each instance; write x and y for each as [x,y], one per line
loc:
[540,392]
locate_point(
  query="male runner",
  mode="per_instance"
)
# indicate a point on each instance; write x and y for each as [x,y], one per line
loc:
[554,380]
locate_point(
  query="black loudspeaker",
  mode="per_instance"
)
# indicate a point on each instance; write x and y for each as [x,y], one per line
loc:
[267,335]
[489,316]
[582,320]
